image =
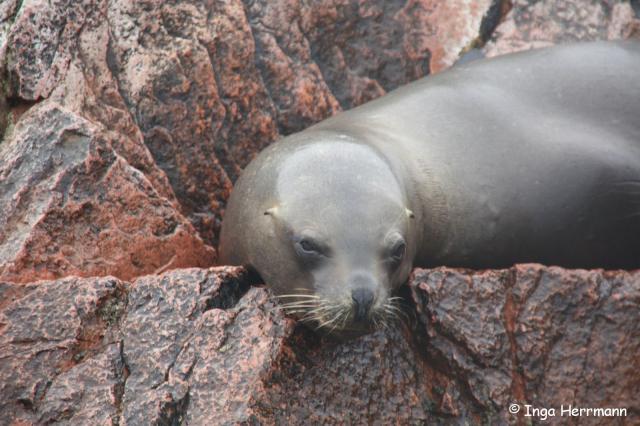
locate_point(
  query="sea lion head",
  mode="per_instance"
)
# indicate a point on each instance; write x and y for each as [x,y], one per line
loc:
[340,237]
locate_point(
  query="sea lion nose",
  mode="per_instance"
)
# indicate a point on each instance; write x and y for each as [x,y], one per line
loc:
[362,299]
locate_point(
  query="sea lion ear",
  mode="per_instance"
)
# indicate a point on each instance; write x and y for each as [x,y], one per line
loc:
[271,212]
[409,213]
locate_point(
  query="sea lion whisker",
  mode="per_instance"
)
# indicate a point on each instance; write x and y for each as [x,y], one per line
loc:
[330,307]
[305,308]
[396,312]
[320,309]
[309,318]
[386,326]
[392,317]
[388,319]
[332,320]
[395,302]
[392,307]
[335,320]
[346,314]
[297,309]
[374,319]
[346,317]
[385,322]
[289,308]
[303,302]
[392,312]
[310,296]
[380,324]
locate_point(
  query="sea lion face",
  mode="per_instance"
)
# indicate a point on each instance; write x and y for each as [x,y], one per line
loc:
[343,236]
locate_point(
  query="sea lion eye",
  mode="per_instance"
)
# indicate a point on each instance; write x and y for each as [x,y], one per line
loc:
[308,247]
[397,251]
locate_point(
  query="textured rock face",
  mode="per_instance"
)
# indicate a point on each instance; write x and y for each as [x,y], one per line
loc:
[199,346]
[536,24]
[125,122]
[69,204]
[123,127]
[58,359]
[535,335]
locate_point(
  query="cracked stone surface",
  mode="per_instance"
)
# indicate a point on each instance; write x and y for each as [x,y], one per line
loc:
[536,24]
[125,123]
[71,205]
[123,127]
[211,354]
[536,335]
[58,360]
[202,346]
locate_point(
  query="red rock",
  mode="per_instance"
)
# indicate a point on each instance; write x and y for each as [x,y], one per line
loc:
[70,205]
[124,125]
[194,356]
[186,94]
[202,346]
[198,346]
[195,350]
[538,24]
[376,379]
[445,29]
[58,360]
[536,335]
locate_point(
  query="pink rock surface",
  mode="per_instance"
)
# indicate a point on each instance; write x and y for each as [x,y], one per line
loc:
[57,358]
[195,349]
[531,25]
[70,205]
[201,346]
[153,108]
[124,125]
[536,335]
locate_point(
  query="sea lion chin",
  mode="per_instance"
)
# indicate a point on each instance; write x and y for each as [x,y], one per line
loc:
[531,157]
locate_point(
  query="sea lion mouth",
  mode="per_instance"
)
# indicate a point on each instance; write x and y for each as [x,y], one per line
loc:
[336,317]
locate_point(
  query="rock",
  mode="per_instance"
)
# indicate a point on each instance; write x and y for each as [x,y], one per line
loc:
[59,360]
[80,351]
[536,335]
[531,25]
[241,361]
[70,205]
[198,346]
[174,99]
[124,125]
[375,379]
[334,55]
[447,29]
[187,73]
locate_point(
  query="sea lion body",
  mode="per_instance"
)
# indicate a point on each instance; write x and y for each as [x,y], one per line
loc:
[529,157]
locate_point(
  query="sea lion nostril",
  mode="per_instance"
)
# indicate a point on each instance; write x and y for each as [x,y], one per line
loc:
[362,299]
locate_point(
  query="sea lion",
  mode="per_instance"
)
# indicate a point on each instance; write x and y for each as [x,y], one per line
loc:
[528,157]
